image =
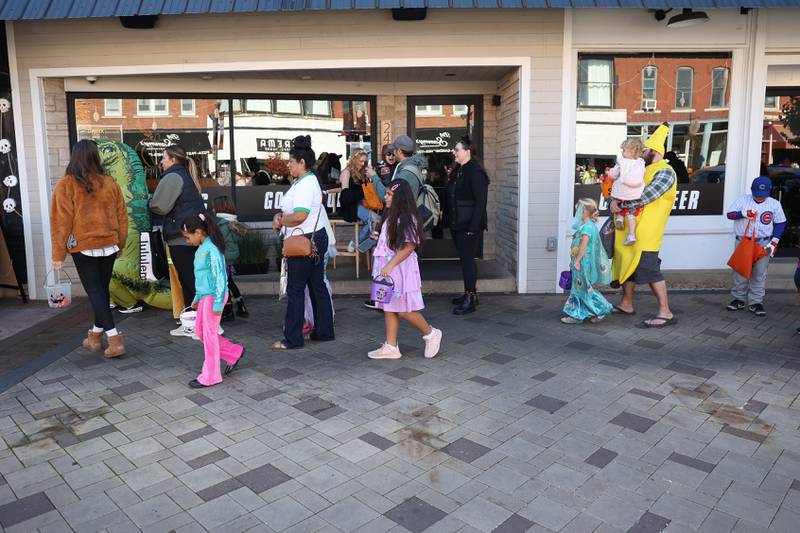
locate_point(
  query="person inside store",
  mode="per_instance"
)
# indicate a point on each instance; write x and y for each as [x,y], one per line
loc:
[361,192]
[176,198]
[467,193]
[639,263]
[301,214]
[90,221]
[387,164]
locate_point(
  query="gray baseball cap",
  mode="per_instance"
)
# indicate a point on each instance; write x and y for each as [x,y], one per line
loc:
[405,143]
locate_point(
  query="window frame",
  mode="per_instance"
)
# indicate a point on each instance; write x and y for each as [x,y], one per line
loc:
[655,84]
[151,108]
[107,113]
[724,88]
[428,112]
[686,105]
[191,113]
[611,83]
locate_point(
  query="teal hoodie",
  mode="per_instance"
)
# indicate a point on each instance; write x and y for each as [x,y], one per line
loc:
[210,275]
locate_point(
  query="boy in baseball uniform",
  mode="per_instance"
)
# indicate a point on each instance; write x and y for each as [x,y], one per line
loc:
[766,214]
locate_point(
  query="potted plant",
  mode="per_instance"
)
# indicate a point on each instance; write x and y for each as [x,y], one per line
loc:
[252,254]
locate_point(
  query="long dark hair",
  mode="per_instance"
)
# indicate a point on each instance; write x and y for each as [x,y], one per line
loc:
[301,151]
[402,218]
[223,204]
[206,223]
[178,153]
[468,145]
[85,166]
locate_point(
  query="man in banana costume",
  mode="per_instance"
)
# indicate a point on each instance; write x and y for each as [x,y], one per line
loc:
[639,263]
[127,288]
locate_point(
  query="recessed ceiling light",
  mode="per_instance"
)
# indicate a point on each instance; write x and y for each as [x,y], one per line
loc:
[207,77]
[305,77]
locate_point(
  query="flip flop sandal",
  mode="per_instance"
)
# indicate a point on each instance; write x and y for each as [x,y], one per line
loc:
[597,319]
[570,320]
[280,345]
[620,311]
[667,322]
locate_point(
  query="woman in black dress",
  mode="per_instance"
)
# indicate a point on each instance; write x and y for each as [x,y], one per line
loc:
[466,194]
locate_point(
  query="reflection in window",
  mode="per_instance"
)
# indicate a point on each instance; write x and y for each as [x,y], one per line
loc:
[595,82]
[112,107]
[649,78]
[429,110]
[617,99]
[259,106]
[460,110]
[683,88]
[719,86]
[288,107]
[187,107]
[771,102]
[319,108]
[152,106]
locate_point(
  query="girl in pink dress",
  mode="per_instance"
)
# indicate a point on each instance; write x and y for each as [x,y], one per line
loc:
[396,258]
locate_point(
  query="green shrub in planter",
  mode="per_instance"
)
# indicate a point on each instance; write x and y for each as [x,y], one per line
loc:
[252,254]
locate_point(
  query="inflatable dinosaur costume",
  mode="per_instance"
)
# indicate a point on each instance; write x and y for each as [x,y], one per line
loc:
[127,288]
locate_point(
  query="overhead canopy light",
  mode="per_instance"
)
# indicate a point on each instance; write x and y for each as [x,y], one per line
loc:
[687,18]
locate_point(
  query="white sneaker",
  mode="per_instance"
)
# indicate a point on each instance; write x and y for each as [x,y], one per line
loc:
[351,246]
[220,331]
[433,341]
[131,310]
[386,351]
[182,331]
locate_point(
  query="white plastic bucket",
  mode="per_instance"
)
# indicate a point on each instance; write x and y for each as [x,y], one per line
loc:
[59,294]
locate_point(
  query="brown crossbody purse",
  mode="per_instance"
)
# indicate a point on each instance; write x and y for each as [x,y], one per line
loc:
[299,245]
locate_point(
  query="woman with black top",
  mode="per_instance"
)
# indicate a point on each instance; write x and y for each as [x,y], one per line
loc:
[466,194]
[177,198]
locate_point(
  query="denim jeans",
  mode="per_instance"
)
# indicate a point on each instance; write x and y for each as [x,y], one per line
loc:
[302,272]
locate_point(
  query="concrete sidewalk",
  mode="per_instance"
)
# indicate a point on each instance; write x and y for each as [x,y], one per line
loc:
[521,424]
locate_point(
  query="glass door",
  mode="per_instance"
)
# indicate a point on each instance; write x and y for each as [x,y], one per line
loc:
[780,156]
[437,123]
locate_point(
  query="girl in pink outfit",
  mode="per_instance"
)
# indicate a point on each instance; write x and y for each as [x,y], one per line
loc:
[396,258]
[211,294]
[628,177]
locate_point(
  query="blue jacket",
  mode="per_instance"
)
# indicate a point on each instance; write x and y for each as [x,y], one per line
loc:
[210,276]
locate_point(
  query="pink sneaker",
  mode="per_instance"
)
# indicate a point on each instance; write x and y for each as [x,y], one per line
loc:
[433,341]
[386,351]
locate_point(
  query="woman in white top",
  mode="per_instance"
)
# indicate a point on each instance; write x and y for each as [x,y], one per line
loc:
[302,213]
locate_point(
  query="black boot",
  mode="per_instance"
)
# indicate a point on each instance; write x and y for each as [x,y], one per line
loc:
[459,300]
[227,313]
[468,305]
[241,310]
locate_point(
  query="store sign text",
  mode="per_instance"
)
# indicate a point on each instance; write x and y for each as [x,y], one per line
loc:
[691,198]
[273,145]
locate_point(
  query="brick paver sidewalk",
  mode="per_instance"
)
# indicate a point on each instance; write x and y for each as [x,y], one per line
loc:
[521,424]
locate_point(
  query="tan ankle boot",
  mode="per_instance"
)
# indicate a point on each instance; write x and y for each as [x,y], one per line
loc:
[93,341]
[116,347]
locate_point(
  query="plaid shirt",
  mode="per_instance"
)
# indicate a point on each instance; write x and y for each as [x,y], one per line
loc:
[662,182]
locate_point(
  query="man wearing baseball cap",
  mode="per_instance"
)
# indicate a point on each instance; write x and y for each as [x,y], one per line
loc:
[409,165]
[766,214]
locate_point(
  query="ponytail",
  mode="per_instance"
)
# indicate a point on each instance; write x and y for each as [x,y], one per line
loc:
[178,153]
[205,222]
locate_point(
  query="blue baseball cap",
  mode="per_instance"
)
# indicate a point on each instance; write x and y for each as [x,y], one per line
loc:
[761,186]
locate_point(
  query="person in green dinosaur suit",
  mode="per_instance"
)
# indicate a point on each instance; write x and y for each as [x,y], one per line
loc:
[127,288]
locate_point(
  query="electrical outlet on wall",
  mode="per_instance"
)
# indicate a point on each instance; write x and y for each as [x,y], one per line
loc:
[552,244]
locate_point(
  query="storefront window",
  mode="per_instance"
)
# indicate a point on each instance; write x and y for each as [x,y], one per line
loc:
[638,92]
[263,129]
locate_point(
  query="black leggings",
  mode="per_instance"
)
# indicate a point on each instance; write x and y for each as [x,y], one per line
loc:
[232,287]
[467,246]
[95,275]
[183,259]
